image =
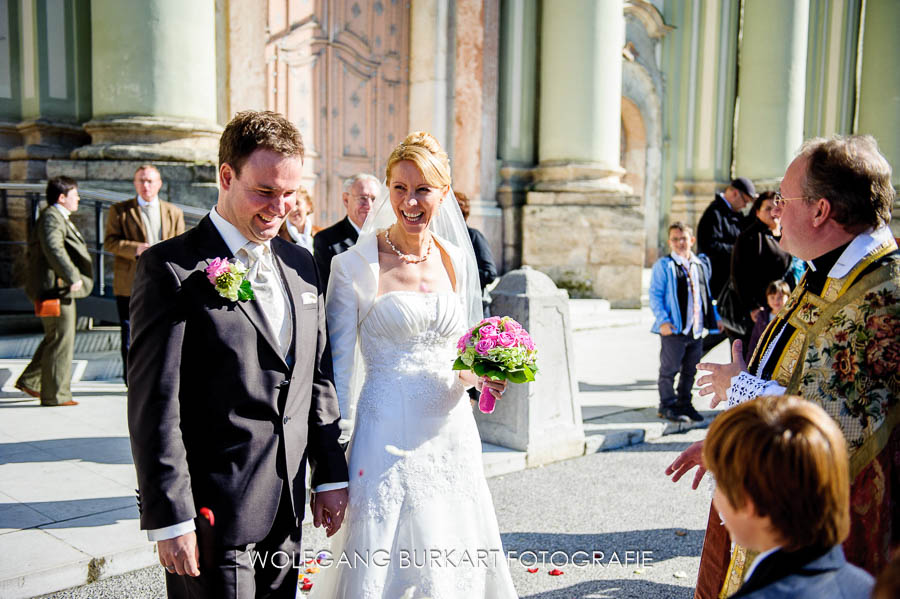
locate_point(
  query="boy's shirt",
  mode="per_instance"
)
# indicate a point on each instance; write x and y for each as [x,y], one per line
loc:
[691,266]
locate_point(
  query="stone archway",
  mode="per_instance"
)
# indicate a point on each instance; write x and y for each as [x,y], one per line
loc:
[634,147]
[642,148]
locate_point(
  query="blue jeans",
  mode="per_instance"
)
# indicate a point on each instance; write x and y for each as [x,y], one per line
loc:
[678,354]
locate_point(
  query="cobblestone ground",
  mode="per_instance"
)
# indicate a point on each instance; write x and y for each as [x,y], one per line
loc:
[617,509]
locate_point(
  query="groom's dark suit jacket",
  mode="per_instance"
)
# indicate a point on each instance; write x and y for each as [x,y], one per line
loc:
[218,418]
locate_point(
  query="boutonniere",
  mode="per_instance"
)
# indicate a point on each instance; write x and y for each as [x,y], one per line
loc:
[230,280]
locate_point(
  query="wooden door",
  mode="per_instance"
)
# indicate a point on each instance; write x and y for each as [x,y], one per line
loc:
[339,70]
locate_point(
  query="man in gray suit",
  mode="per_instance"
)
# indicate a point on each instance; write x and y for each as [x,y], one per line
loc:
[231,386]
[59,267]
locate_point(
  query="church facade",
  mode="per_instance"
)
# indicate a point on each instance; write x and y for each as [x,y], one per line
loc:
[579,128]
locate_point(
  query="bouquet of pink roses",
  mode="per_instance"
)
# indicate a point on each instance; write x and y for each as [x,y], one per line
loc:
[498,348]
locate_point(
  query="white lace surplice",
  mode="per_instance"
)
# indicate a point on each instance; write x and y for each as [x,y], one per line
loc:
[419,504]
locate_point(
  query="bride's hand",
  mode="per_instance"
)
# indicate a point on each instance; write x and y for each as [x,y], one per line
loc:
[496,387]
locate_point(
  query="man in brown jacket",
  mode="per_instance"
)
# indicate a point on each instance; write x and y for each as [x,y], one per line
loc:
[131,227]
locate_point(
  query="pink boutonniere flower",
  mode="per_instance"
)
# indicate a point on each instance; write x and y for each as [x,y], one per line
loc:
[229,279]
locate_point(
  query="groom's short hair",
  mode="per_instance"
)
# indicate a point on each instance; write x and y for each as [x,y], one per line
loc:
[250,130]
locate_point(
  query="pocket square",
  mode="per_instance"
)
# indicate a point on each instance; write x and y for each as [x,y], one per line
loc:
[308,297]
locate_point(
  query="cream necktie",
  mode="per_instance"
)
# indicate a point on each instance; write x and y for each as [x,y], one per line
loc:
[269,291]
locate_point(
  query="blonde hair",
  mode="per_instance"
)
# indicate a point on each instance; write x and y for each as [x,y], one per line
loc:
[789,457]
[426,153]
[303,196]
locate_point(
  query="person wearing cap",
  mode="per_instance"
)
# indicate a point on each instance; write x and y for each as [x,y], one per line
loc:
[717,232]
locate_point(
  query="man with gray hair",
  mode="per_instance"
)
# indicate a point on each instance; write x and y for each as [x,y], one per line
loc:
[360,192]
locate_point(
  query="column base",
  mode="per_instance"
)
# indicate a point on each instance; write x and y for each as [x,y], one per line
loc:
[190,184]
[580,177]
[26,146]
[691,198]
[607,259]
[515,181]
[147,138]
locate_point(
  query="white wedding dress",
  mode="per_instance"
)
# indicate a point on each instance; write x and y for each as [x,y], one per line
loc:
[420,511]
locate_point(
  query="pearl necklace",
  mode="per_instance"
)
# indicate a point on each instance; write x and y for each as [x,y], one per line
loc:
[408,258]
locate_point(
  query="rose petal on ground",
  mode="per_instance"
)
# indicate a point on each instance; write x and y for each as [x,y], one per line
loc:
[532,570]
[555,572]
[638,571]
[680,574]
[312,570]
[306,587]
[681,533]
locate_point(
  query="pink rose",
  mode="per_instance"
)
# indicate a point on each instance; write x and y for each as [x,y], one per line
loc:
[528,343]
[506,339]
[463,341]
[216,268]
[484,346]
[488,331]
[494,320]
[512,325]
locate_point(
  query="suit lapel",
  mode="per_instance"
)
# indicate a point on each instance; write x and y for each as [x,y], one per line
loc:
[211,245]
[134,212]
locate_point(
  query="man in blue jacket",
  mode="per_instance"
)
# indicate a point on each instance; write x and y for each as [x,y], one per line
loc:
[682,306]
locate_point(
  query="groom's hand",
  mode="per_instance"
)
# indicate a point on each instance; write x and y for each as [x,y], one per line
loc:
[180,555]
[328,509]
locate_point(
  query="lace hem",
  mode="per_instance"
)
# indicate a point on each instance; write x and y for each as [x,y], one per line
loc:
[745,387]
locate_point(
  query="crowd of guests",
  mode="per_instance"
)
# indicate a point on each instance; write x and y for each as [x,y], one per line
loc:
[799,483]
[731,284]
[60,268]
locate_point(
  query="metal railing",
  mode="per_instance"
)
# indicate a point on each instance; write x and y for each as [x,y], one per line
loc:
[24,201]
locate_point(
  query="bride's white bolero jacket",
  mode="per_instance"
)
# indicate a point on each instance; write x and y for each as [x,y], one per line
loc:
[352,289]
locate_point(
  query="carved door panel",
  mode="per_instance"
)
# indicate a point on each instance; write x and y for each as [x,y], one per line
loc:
[338,69]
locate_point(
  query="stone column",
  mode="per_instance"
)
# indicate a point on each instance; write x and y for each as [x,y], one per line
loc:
[542,418]
[475,105]
[154,81]
[49,93]
[581,225]
[771,88]
[431,69]
[581,96]
[879,90]
[517,148]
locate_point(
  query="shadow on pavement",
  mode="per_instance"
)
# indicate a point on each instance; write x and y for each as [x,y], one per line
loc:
[71,513]
[678,446]
[639,385]
[100,450]
[617,589]
[664,543]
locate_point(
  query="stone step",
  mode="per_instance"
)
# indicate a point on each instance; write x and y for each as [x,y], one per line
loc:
[92,366]
[98,339]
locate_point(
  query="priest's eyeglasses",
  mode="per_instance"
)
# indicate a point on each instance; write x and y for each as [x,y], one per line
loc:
[779,200]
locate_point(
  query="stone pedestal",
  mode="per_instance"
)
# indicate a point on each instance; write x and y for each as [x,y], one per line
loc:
[590,243]
[542,418]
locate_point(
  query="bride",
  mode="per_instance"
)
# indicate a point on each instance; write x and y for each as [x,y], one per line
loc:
[420,522]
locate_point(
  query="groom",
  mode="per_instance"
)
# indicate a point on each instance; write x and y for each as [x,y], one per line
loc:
[229,398]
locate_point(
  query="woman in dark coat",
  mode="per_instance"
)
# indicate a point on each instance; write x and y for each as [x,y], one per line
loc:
[757,259]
